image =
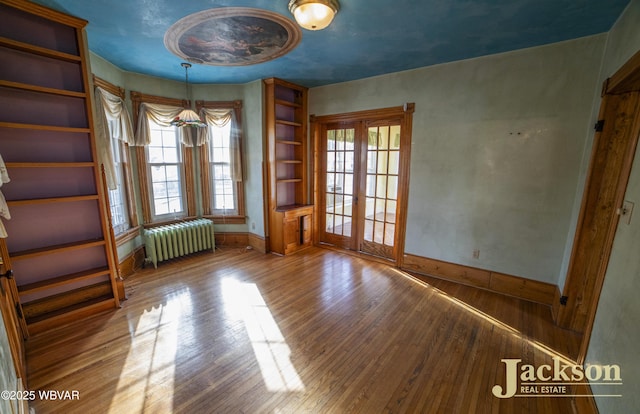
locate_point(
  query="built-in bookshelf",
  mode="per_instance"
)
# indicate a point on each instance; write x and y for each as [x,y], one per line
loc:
[286,134]
[58,237]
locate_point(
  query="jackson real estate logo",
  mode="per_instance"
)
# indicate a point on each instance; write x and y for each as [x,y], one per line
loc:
[523,380]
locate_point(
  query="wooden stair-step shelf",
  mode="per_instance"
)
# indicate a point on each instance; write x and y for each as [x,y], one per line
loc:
[62,280]
[58,246]
[44,314]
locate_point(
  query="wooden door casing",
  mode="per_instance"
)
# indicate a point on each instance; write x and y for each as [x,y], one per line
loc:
[612,157]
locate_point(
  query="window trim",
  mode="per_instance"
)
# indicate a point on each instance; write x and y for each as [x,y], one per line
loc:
[134,225]
[138,98]
[205,181]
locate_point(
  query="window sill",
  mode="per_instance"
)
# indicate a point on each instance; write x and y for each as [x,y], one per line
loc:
[227,219]
[127,235]
[165,222]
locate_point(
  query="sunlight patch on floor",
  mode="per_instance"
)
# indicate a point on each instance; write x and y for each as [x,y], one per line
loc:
[243,301]
[478,313]
[156,336]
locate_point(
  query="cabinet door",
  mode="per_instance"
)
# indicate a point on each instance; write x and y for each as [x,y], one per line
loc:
[291,230]
[306,223]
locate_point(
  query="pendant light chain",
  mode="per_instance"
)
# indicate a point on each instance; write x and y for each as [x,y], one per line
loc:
[188,117]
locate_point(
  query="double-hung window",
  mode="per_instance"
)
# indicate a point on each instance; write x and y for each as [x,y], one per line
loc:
[221,163]
[223,192]
[166,181]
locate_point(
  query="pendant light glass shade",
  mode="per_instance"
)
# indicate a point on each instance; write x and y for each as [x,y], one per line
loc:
[188,117]
[314,14]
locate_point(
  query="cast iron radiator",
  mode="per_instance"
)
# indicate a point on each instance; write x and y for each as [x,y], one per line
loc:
[178,239]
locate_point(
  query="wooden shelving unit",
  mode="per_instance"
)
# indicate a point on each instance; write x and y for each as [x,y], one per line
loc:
[58,243]
[289,214]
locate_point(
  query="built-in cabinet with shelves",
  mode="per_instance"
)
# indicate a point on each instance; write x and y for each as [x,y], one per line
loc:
[58,236]
[289,213]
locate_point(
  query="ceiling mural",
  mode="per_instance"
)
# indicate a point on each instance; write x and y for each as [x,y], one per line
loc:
[232,36]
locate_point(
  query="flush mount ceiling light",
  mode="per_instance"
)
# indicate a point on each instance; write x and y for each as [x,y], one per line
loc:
[188,117]
[314,14]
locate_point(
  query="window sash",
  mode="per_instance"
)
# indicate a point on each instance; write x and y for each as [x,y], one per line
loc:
[224,198]
[165,173]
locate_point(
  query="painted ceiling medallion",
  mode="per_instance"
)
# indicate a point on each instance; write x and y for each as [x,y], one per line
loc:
[232,36]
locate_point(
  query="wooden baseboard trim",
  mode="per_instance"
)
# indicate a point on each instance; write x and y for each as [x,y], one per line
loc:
[528,289]
[85,311]
[258,243]
[354,253]
[241,240]
[232,239]
[132,262]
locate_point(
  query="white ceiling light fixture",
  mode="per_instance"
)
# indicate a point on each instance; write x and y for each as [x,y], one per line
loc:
[314,14]
[188,117]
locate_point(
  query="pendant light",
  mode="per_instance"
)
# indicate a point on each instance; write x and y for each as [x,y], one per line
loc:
[314,14]
[188,117]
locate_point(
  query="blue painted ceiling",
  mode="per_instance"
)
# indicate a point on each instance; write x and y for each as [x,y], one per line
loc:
[366,38]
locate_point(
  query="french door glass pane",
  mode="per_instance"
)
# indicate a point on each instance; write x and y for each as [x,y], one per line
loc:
[394,137]
[349,162]
[381,189]
[348,184]
[329,220]
[372,162]
[389,232]
[394,162]
[382,163]
[392,187]
[331,161]
[331,140]
[371,186]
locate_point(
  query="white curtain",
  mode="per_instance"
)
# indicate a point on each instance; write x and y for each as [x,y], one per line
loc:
[110,108]
[220,118]
[159,114]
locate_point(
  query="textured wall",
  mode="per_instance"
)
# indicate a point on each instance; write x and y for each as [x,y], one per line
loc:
[496,152]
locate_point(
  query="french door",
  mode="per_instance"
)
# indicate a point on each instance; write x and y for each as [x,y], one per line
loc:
[362,182]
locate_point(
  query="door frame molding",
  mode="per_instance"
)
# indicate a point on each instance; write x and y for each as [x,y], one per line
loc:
[626,80]
[405,114]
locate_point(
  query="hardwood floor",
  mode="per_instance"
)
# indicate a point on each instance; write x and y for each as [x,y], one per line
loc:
[315,332]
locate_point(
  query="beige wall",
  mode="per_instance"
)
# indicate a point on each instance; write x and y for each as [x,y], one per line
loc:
[496,152]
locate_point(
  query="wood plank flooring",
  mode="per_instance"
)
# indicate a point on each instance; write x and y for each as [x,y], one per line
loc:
[317,332]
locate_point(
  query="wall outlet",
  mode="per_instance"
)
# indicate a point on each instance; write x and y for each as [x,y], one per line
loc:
[476,253]
[253,225]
